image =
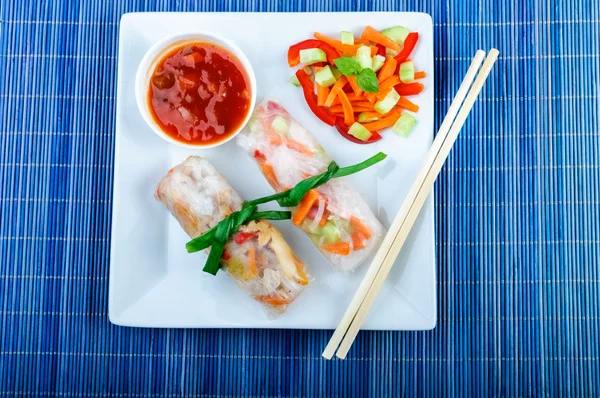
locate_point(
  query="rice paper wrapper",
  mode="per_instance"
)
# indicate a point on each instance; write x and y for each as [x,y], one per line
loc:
[340,223]
[257,257]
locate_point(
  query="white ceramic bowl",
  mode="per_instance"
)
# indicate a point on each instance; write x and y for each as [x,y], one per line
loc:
[155,54]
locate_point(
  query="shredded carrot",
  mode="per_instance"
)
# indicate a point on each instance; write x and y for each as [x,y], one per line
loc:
[338,109]
[252,260]
[374,50]
[358,242]
[375,36]
[373,115]
[322,93]
[346,106]
[361,41]
[361,227]
[341,248]
[324,218]
[388,69]
[357,90]
[362,102]
[344,48]
[269,174]
[384,122]
[420,75]
[272,300]
[403,102]
[351,96]
[304,206]
[276,139]
[332,94]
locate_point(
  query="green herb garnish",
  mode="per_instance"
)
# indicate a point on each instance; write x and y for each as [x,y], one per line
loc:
[217,237]
[365,77]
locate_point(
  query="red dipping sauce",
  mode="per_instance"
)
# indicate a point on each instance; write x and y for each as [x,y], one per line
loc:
[199,94]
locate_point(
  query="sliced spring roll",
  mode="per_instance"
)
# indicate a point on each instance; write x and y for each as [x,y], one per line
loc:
[257,257]
[334,215]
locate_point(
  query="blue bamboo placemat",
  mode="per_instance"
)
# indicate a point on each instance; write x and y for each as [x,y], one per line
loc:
[517,208]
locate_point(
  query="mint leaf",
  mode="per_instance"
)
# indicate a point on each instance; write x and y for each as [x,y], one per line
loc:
[367,80]
[348,66]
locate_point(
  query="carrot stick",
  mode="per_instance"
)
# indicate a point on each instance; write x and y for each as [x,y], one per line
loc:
[388,69]
[332,94]
[361,227]
[361,41]
[351,96]
[346,106]
[403,102]
[384,122]
[358,242]
[357,90]
[324,218]
[373,115]
[322,93]
[373,35]
[386,86]
[272,300]
[338,109]
[345,48]
[374,50]
[341,248]
[269,174]
[304,206]
[252,260]
[420,75]
[276,139]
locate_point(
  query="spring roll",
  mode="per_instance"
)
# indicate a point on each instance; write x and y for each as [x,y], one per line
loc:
[335,216]
[257,257]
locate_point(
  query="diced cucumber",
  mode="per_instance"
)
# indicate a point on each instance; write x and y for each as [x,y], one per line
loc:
[359,131]
[347,37]
[404,125]
[279,124]
[407,72]
[378,62]
[330,232]
[397,33]
[312,56]
[363,56]
[294,80]
[386,104]
[336,73]
[390,52]
[325,77]
[363,118]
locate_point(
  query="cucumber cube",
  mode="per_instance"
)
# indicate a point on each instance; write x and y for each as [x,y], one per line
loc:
[359,131]
[386,104]
[325,77]
[404,125]
[397,34]
[347,37]
[312,56]
[407,72]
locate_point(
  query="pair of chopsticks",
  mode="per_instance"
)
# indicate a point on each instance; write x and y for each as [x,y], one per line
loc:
[363,300]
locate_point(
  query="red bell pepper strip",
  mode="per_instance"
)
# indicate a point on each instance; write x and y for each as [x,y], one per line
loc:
[409,44]
[242,237]
[342,128]
[409,88]
[294,51]
[311,98]
[380,49]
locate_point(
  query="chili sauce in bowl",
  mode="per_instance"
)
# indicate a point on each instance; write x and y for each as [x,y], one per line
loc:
[199,92]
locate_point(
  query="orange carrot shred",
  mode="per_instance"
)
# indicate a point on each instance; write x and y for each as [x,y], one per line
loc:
[337,44]
[304,206]
[388,69]
[420,75]
[332,94]
[405,103]
[384,122]
[358,241]
[252,260]
[346,106]
[375,36]
[341,248]
[322,93]
[361,227]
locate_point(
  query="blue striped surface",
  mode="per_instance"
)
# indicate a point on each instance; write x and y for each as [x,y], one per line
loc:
[517,208]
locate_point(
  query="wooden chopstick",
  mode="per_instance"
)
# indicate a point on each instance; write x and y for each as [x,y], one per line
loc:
[386,255]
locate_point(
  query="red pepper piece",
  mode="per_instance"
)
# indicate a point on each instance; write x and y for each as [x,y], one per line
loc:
[409,44]
[409,88]
[242,237]
[294,51]
[380,49]
[311,98]
[342,128]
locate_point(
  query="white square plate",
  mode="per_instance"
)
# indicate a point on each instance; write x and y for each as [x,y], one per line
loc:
[155,283]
